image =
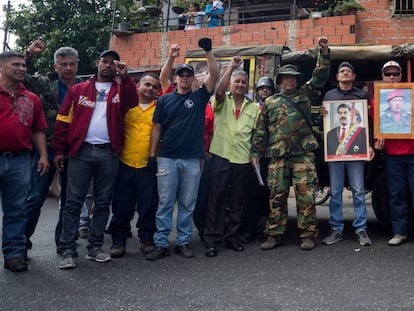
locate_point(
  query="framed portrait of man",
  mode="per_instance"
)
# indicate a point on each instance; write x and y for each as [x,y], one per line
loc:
[393,117]
[346,130]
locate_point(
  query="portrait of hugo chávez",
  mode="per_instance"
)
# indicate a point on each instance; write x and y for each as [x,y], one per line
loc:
[395,111]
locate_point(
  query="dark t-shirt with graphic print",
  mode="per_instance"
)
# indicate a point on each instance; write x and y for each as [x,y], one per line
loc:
[182,123]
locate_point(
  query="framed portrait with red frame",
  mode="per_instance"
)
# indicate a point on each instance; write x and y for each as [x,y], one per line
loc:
[393,110]
[346,130]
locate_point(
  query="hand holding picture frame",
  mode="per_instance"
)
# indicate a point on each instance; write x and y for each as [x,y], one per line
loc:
[393,110]
[346,130]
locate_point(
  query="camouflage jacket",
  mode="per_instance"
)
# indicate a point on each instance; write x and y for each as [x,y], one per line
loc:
[281,126]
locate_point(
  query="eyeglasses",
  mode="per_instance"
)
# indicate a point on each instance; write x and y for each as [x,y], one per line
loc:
[185,75]
[394,74]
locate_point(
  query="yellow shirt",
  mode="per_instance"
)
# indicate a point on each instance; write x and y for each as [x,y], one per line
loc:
[138,125]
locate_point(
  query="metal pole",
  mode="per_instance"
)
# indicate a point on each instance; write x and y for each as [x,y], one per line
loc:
[6,27]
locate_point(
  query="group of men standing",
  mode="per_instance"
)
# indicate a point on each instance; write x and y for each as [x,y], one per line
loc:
[138,151]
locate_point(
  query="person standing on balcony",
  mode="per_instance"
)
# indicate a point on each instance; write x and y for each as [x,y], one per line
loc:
[194,17]
[282,127]
[215,12]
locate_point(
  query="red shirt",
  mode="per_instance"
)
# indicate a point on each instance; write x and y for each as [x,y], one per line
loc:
[209,127]
[20,116]
[72,121]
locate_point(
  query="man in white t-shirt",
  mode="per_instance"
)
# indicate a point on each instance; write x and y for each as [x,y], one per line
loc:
[90,129]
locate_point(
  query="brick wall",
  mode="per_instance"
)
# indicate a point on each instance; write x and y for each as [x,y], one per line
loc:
[376,26]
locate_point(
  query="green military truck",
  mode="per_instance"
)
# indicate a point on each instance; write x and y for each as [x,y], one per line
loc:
[261,61]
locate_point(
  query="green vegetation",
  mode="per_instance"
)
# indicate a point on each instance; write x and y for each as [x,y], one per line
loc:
[83,25]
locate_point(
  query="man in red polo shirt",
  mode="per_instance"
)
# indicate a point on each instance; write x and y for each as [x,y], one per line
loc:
[21,121]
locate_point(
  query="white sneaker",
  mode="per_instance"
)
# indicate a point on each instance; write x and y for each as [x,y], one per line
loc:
[397,240]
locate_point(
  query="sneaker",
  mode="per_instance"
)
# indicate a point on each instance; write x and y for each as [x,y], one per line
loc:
[83,233]
[270,243]
[363,238]
[184,251]
[98,255]
[117,251]
[307,244]
[146,247]
[333,237]
[158,253]
[397,240]
[67,262]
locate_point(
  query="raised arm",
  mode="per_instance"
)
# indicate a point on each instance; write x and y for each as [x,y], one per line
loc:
[213,70]
[225,79]
[167,68]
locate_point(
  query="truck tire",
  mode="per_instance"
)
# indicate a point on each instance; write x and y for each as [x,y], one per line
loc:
[322,194]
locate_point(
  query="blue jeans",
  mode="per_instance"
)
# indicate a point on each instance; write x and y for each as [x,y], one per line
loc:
[39,189]
[355,172]
[136,188]
[400,177]
[178,180]
[14,187]
[101,165]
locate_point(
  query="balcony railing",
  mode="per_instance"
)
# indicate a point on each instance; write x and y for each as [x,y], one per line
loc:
[236,13]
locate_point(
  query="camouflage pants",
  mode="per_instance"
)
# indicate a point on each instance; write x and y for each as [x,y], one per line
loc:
[299,171]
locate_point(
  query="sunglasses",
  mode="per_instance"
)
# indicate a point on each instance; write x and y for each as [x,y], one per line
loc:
[394,74]
[185,75]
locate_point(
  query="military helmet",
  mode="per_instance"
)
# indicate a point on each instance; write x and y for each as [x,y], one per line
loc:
[265,81]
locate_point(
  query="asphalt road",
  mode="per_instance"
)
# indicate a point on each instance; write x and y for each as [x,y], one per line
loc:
[343,276]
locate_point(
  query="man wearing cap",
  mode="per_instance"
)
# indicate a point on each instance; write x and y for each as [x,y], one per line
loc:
[345,90]
[399,168]
[90,129]
[395,119]
[347,138]
[178,134]
[281,125]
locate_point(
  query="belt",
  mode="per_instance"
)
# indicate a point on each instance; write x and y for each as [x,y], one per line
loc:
[12,154]
[97,146]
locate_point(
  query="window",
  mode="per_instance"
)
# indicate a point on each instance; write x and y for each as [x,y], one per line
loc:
[403,7]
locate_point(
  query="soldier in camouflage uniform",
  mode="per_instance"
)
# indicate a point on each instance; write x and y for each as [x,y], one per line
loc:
[282,126]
